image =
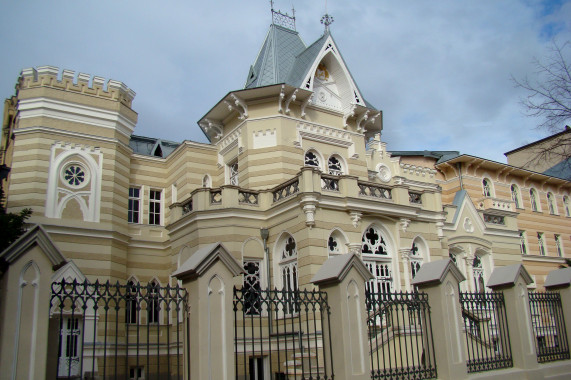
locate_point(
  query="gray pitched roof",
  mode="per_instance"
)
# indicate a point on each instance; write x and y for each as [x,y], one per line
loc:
[276,57]
[561,170]
[284,58]
[150,146]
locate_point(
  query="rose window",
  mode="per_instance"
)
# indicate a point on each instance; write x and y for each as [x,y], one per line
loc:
[74,175]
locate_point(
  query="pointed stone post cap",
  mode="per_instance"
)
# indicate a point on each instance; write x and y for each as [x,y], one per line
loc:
[434,273]
[558,278]
[204,258]
[507,276]
[336,268]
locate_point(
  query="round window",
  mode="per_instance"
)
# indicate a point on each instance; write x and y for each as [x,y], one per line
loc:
[74,175]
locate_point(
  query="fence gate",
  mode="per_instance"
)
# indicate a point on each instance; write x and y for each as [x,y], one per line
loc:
[113,331]
[400,336]
[282,334]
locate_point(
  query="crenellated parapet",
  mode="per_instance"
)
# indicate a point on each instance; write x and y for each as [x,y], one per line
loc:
[50,76]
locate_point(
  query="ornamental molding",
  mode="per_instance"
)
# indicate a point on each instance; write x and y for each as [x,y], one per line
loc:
[417,170]
[230,141]
[356,218]
[238,105]
[75,113]
[404,223]
[215,128]
[328,135]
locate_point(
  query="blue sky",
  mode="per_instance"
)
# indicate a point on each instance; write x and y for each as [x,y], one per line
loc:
[439,70]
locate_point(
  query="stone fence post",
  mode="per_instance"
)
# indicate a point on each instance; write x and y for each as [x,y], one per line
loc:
[25,293]
[560,280]
[343,279]
[439,280]
[512,280]
[208,277]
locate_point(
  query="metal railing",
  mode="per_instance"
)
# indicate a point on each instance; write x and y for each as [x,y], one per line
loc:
[114,331]
[548,326]
[282,334]
[400,336]
[486,328]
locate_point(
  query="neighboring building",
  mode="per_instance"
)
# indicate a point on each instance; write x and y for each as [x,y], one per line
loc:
[550,155]
[540,203]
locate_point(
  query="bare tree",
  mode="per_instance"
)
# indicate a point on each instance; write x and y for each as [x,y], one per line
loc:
[549,98]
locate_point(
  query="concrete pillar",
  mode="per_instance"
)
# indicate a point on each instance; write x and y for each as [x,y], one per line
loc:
[439,280]
[560,280]
[343,279]
[208,277]
[512,280]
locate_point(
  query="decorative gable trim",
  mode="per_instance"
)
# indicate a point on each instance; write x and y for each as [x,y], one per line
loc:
[35,236]
[320,133]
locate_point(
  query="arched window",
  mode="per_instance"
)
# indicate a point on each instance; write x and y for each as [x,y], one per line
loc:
[377,259]
[551,203]
[478,271]
[541,243]
[566,205]
[153,306]
[523,243]
[487,187]
[534,200]
[336,243]
[132,297]
[515,196]
[233,173]
[288,272]
[252,287]
[415,258]
[334,165]
[206,182]
[312,159]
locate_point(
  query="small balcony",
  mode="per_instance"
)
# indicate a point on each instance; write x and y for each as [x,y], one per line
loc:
[490,203]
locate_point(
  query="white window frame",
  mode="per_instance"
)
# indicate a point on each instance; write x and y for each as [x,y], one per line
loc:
[559,245]
[233,170]
[487,187]
[153,201]
[380,265]
[541,244]
[130,209]
[523,243]
[534,200]
[551,203]
[516,196]
[567,205]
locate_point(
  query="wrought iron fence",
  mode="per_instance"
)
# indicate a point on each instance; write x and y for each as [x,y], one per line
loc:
[548,326]
[486,328]
[400,336]
[113,331]
[281,334]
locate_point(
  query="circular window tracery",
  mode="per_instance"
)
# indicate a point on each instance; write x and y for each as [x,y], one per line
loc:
[74,175]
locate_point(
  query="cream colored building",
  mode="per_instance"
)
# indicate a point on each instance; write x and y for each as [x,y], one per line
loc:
[294,172]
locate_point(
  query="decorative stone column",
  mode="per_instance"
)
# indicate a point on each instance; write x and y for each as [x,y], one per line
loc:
[343,279]
[208,277]
[439,280]
[512,280]
[405,259]
[560,280]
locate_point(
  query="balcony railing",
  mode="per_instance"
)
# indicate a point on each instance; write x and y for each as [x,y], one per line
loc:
[375,191]
[489,203]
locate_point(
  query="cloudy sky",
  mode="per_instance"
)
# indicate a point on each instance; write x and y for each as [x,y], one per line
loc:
[440,70]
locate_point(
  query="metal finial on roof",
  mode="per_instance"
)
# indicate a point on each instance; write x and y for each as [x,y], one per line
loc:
[283,19]
[327,20]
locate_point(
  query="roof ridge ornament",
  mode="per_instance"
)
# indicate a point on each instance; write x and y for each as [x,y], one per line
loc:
[283,19]
[327,19]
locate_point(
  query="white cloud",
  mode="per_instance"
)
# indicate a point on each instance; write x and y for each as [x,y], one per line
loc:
[439,70]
